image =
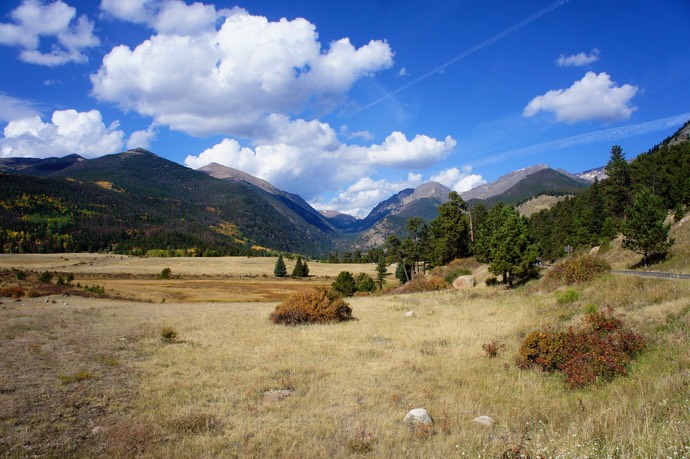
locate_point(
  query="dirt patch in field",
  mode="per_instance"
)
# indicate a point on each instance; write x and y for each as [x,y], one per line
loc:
[67,379]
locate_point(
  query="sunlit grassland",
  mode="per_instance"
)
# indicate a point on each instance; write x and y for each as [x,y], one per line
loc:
[354,382]
[93,378]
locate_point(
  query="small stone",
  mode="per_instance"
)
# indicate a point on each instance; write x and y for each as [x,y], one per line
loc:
[484,420]
[418,416]
[97,430]
[276,395]
[409,314]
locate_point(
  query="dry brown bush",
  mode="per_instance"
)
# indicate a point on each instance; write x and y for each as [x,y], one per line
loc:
[423,283]
[318,305]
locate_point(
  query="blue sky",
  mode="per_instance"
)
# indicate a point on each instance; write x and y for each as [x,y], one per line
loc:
[346,103]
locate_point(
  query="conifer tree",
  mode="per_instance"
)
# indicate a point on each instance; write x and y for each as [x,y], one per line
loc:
[381,271]
[514,251]
[450,231]
[344,284]
[644,230]
[297,270]
[618,186]
[280,270]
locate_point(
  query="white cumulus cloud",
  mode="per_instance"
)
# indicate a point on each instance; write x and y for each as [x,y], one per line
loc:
[167,16]
[143,138]
[594,97]
[578,60]
[232,80]
[35,21]
[305,157]
[68,132]
[359,198]
[459,180]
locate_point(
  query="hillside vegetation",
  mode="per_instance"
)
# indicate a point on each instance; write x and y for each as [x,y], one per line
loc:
[135,201]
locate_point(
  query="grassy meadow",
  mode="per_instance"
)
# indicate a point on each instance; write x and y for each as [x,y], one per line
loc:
[86,377]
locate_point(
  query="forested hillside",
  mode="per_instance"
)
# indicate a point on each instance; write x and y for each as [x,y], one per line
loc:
[136,201]
[598,214]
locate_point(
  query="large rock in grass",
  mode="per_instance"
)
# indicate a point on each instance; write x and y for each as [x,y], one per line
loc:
[418,416]
[463,282]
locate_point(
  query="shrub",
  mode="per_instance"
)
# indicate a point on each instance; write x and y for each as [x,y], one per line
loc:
[312,306]
[169,335]
[365,283]
[492,348]
[344,284]
[423,283]
[165,273]
[45,276]
[21,275]
[13,291]
[95,289]
[567,296]
[576,270]
[599,351]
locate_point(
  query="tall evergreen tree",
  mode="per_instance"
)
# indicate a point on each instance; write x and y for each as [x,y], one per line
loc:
[617,186]
[381,271]
[514,251]
[450,231]
[297,270]
[644,230]
[280,270]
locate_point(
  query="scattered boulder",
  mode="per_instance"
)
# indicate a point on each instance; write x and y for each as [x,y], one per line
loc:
[484,420]
[276,395]
[594,251]
[418,416]
[464,282]
[410,314]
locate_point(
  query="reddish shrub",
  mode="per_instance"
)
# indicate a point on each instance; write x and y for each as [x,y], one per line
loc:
[13,291]
[600,350]
[492,348]
[312,306]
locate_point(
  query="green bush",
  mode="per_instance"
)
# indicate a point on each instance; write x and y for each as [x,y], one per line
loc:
[95,289]
[165,273]
[318,305]
[365,283]
[599,351]
[567,296]
[344,284]
[45,277]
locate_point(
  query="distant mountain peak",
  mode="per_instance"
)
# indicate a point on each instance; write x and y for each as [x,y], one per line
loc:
[228,173]
[503,184]
[432,190]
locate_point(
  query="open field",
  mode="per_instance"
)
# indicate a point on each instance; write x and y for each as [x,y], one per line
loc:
[91,377]
[222,279]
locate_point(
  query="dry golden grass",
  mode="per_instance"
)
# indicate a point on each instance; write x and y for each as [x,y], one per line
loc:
[71,385]
[222,279]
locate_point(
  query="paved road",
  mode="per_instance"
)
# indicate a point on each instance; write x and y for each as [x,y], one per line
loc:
[626,272]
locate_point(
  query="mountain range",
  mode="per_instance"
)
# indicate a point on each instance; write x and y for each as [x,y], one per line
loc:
[137,199]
